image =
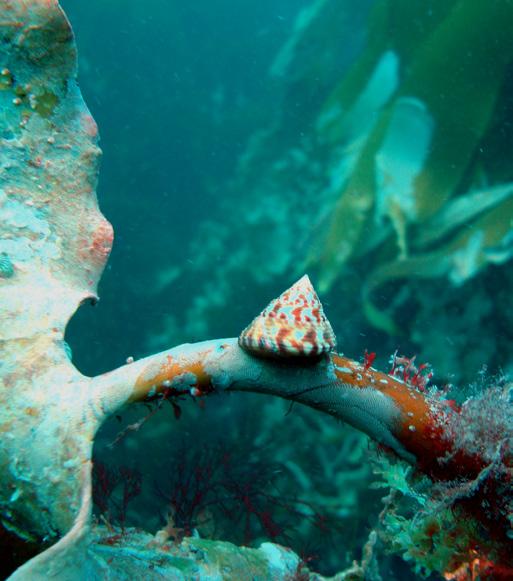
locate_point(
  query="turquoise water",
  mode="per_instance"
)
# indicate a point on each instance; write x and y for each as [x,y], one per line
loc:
[368,144]
[177,92]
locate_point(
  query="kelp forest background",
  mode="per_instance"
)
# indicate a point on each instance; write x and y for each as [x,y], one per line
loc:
[368,144]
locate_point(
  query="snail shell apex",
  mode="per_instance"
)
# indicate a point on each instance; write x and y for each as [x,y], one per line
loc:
[293,325]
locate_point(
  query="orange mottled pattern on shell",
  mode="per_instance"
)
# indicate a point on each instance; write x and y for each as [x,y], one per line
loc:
[293,325]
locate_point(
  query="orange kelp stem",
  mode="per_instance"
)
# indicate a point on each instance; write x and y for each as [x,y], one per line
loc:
[173,375]
[422,424]
[389,410]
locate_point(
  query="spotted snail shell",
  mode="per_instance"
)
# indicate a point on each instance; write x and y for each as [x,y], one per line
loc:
[293,325]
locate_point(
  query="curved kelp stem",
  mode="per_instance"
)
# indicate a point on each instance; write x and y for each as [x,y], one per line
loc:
[389,410]
[286,352]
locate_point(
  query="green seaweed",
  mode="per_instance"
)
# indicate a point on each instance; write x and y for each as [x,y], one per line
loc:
[46,103]
[453,59]
[350,214]
[485,241]
[452,74]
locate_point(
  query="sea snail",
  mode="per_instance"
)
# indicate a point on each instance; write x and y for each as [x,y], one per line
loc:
[293,325]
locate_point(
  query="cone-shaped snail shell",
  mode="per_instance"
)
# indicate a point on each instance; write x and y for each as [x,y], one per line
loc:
[293,325]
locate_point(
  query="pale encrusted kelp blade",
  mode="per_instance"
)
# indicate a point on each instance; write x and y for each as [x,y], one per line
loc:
[54,243]
[52,232]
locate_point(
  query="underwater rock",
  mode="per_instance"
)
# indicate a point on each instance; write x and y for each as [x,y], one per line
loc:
[134,554]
